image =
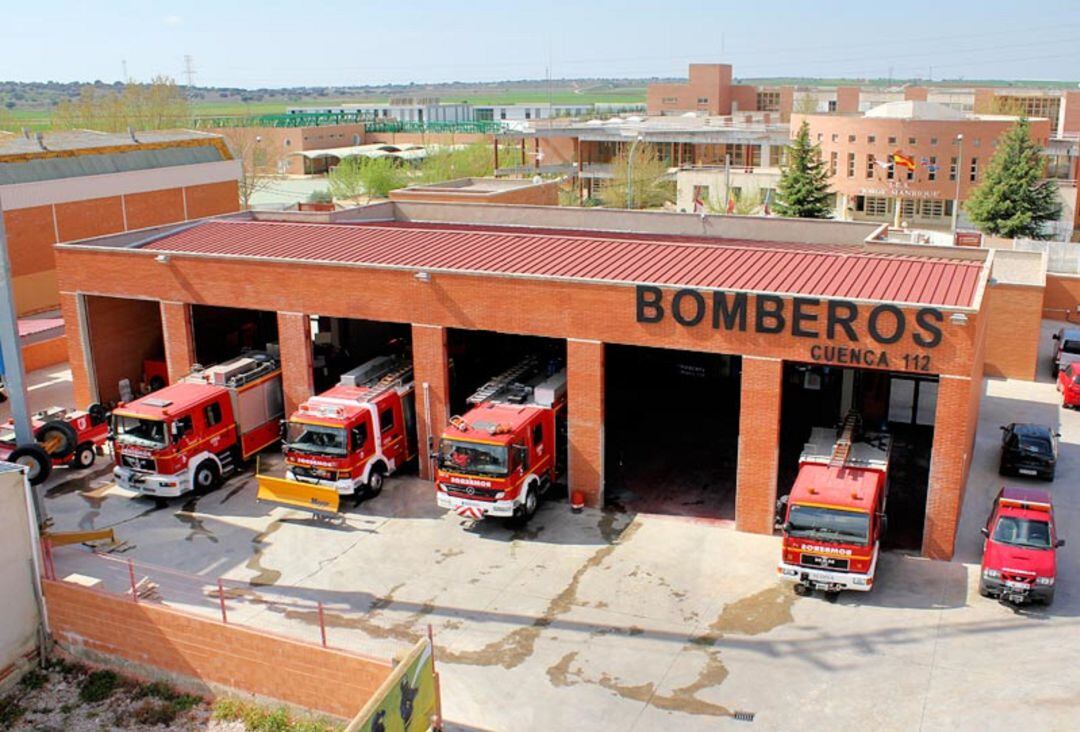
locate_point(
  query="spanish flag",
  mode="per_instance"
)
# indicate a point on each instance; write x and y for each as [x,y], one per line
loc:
[903,161]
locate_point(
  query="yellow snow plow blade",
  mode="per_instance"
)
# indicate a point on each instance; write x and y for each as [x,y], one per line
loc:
[304,496]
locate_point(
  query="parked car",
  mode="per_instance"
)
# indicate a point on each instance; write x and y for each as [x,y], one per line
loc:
[1019,562]
[1068,383]
[1028,449]
[1066,349]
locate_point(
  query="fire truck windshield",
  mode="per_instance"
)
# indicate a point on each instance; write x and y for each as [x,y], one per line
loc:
[828,524]
[316,438]
[139,431]
[1022,532]
[473,457]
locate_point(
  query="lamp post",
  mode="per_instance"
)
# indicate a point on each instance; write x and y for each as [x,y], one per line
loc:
[630,172]
[959,168]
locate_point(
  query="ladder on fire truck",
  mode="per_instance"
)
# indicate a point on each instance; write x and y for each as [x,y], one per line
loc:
[397,375]
[506,381]
[842,448]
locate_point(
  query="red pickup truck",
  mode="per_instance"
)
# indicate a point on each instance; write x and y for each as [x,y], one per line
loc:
[1020,552]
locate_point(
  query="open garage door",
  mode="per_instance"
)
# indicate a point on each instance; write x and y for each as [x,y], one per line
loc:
[224,333]
[671,431]
[893,402]
[342,344]
[478,355]
[127,349]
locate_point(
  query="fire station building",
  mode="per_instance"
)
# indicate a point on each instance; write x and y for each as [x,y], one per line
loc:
[700,350]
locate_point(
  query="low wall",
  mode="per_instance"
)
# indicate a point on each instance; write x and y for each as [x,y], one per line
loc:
[1062,295]
[45,353]
[151,640]
[1012,340]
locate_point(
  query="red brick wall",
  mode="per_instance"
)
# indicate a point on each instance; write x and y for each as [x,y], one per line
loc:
[294,338]
[30,235]
[915,93]
[179,342]
[430,366]
[123,333]
[44,353]
[93,217]
[1012,339]
[948,466]
[77,353]
[154,208]
[585,395]
[743,98]
[759,444]
[1062,295]
[847,99]
[212,199]
[153,636]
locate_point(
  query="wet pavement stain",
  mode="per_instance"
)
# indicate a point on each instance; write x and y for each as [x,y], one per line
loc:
[757,613]
[263,576]
[241,485]
[77,484]
[186,515]
[445,554]
[513,649]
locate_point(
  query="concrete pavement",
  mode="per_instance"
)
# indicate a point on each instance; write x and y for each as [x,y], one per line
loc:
[624,621]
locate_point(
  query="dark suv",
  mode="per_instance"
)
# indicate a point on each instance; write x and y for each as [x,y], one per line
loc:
[1028,449]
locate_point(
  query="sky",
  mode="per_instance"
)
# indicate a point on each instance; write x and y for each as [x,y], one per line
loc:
[269,43]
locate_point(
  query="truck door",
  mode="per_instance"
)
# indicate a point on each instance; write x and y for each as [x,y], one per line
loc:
[408,411]
[390,427]
[360,442]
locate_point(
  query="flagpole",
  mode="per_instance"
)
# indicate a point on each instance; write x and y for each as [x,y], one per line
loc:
[959,166]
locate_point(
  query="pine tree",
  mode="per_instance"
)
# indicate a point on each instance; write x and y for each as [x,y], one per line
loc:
[1014,199]
[803,190]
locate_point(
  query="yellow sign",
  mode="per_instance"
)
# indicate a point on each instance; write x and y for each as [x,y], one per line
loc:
[408,701]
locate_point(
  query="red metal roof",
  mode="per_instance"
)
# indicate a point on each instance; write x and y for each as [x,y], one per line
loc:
[839,271]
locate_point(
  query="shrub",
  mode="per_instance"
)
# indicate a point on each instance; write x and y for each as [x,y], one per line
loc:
[98,686]
[151,712]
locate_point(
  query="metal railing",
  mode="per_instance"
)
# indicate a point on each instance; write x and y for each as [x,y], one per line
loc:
[322,119]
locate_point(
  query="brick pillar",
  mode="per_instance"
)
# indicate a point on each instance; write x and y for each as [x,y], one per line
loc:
[585,415]
[759,444]
[80,358]
[949,459]
[179,340]
[431,370]
[294,339]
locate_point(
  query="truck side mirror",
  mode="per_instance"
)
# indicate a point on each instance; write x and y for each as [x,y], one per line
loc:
[985,532]
[1056,337]
[1059,542]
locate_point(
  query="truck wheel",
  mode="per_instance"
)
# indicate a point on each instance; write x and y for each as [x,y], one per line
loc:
[205,478]
[375,482]
[36,461]
[85,456]
[801,590]
[58,439]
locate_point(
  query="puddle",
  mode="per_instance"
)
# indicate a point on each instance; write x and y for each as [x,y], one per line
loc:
[78,484]
[513,649]
[186,515]
[241,485]
[757,613]
[263,577]
[445,554]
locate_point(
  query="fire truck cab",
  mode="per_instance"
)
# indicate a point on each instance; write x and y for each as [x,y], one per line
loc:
[502,456]
[346,440]
[191,434]
[834,517]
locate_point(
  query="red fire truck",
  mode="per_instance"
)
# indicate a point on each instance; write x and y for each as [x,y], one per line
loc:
[191,434]
[833,520]
[346,440]
[502,456]
[69,437]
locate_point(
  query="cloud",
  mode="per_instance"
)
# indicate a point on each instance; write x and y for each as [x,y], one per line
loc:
[173,20]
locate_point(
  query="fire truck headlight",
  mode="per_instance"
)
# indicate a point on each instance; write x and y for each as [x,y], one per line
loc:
[1048,581]
[500,495]
[860,581]
[991,573]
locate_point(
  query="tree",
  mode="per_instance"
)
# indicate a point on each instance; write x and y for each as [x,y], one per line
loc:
[159,105]
[259,160]
[373,177]
[803,190]
[471,161]
[805,104]
[648,186]
[1014,199]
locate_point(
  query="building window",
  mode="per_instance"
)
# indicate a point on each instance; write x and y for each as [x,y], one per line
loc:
[911,141]
[819,136]
[974,169]
[910,174]
[892,140]
[932,209]
[832,163]
[907,208]
[768,101]
[832,105]
[670,100]
[502,114]
[870,165]
[933,140]
[835,137]
[851,165]
[932,168]
[851,138]
[876,206]
[528,114]
[871,139]
[952,168]
[891,170]
[702,100]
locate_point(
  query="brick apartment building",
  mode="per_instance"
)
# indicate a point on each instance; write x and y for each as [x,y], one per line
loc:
[732,334]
